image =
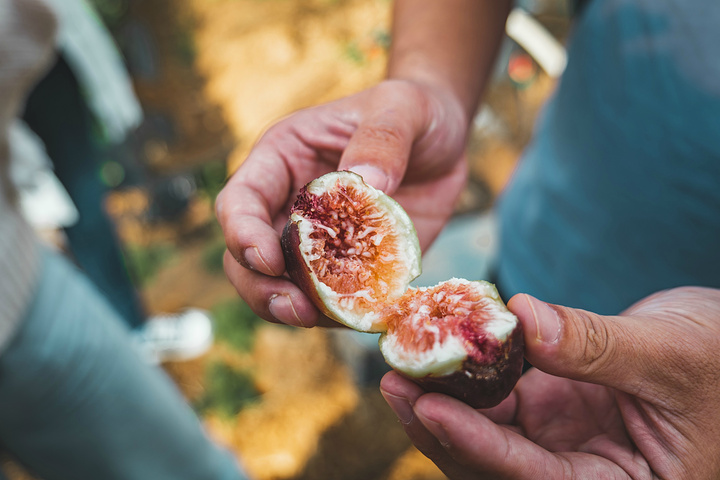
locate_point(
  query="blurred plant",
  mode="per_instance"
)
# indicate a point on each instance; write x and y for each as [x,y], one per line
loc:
[185,47]
[211,178]
[369,47]
[111,12]
[235,324]
[212,256]
[354,53]
[382,38]
[144,262]
[227,390]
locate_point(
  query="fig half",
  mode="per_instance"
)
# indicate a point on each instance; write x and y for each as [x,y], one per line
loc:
[354,251]
[351,248]
[457,338]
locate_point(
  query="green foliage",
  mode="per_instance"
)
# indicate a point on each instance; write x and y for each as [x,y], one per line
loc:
[235,324]
[353,53]
[227,390]
[212,177]
[382,38]
[212,256]
[185,47]
[214,249]
[111,12]
[143,262]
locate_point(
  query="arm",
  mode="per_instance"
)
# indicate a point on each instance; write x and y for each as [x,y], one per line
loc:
[451,45]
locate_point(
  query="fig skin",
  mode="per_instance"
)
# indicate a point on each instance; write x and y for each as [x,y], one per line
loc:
[406,266]
[481,386]
[297,269]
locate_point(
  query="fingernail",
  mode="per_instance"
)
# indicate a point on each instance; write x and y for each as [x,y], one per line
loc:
[437,429]
[401,406]
[255,261]
[283,310]
[373,176]
[547,321]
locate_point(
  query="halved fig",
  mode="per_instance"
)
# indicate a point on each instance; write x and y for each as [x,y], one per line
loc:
[351,248]
[457,338]
[354,251]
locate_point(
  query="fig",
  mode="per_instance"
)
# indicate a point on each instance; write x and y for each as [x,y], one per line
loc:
[351,249]
[354,251]
[457,338]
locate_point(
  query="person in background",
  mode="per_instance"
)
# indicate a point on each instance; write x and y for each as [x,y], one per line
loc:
[83,106]
[76,399]
[613,211]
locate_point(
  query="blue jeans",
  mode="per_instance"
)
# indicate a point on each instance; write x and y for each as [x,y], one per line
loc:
[77,402]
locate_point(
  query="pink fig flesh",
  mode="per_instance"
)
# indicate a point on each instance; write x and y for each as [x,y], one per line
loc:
[456,338]
[354,251]
[350,248]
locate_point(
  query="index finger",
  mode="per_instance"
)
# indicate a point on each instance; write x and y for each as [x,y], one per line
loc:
[482,449]
[246,207]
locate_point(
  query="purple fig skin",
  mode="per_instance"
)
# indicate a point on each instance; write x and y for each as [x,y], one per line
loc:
[491,367]
[297,269]
[481,385]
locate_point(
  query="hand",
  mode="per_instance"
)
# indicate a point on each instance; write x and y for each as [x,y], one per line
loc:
[404,138]
[633,396]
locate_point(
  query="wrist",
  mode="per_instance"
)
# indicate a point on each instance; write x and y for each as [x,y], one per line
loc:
[449,46]
[415,70]
[440,104]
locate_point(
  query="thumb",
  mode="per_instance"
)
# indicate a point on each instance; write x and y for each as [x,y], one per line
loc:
[582,345]
[379,151]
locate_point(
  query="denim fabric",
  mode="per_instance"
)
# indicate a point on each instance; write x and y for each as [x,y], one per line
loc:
[77,402]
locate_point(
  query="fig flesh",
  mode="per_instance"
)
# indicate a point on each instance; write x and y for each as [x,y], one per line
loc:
[351,248]
[354,251]
[457,338]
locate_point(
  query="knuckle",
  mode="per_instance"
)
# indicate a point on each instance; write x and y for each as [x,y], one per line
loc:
[382,133]
[402,90]
[277,130]
[596,341]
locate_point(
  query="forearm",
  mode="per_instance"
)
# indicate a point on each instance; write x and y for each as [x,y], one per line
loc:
[450,44]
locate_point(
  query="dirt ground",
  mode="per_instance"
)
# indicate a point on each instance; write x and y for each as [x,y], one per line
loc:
[224,70]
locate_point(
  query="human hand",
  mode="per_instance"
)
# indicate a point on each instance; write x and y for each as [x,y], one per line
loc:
[633,396]
[404,138]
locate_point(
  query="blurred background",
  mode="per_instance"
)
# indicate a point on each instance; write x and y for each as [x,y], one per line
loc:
[210,76]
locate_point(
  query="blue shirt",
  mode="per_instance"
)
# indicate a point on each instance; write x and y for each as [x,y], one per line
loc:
[618,195]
